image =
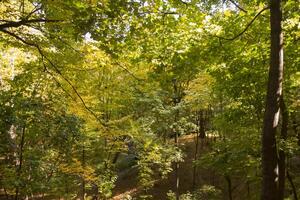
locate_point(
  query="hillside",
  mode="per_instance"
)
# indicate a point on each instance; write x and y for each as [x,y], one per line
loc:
[127,184]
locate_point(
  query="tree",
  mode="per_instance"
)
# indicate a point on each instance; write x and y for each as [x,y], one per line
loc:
[89,88]
[272,109]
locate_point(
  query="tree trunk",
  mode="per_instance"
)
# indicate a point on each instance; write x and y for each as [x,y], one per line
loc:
[229,185]
[82,178]
[269,152]
[5,192]
[292,185]
[177,170]
[195,158]
[202,125]
[248,189]
[115,159]
[294,126]
[19,169]
[282,156]
[176,100]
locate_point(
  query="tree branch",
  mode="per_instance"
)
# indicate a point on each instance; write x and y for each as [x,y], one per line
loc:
[64,42]
[18,38]
[128,71]
[44,57]
[35,9]
[69,83]
[185,3]
[14,24]
[159,13]
[238,6]
[58,83]
[246,28]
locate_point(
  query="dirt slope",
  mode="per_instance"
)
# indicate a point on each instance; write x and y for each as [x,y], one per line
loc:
[127,184]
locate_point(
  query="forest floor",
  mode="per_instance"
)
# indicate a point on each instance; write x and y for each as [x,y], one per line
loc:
[127,184]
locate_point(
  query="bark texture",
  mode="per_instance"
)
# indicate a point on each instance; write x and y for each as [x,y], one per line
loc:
[282,156]
[229,185]
[292,185]
[274,91]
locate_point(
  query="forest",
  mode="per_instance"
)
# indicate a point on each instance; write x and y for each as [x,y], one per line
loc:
[150,99]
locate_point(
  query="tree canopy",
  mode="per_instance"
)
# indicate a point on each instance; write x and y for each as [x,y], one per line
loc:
[94,90]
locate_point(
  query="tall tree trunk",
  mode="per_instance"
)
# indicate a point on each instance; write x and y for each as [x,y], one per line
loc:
[292,184]
[269,152]
[177,170]
[116,156]
[202,125]
[19,169]
[248,189]
[195,158]
[82,178]
[294,126]
[229,185]
[176,100]
[5,192]
[282,156]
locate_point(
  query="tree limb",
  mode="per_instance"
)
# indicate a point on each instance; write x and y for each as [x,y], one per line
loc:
[35,9]
[247,26]
[238,6]
[58,83]
[159,13]
[18,38]
[129,72]
[44,57]
[185,3]
[15,24]
[69,83]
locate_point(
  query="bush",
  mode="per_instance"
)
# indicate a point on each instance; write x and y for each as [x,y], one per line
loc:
[204,193]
